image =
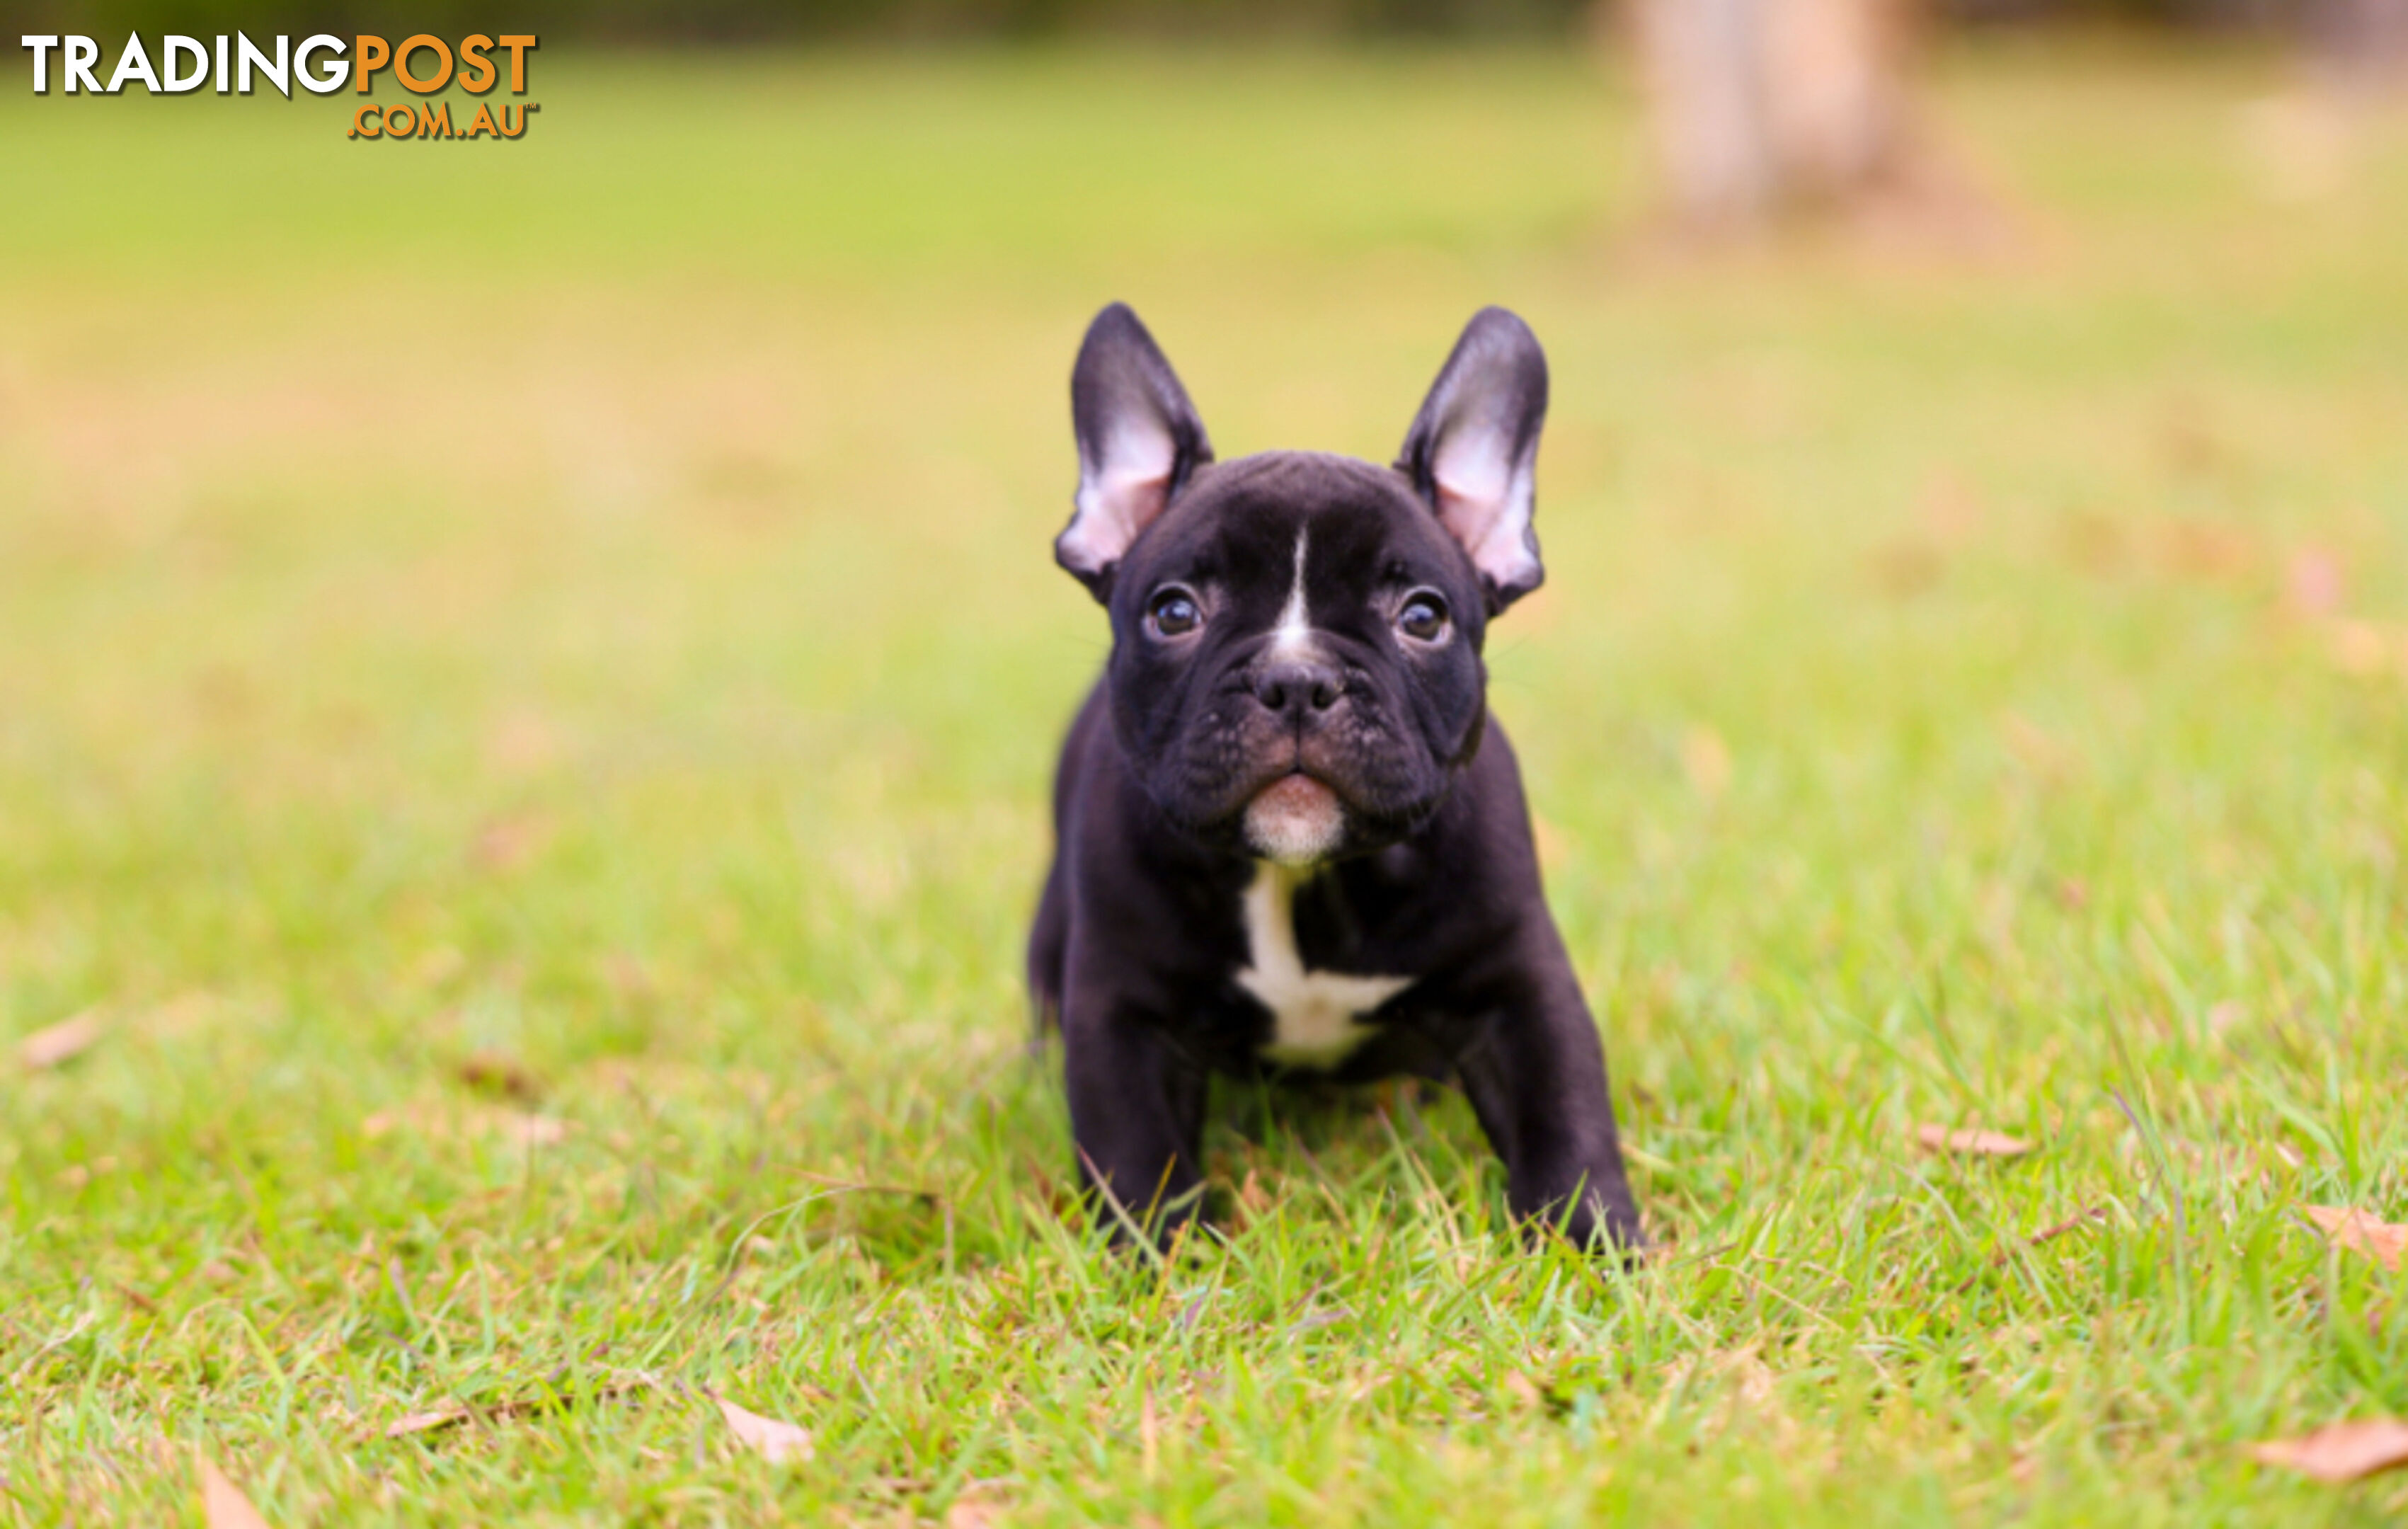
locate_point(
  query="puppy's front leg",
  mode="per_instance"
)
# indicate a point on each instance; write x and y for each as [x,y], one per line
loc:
[1535,1075]
[1136,1113]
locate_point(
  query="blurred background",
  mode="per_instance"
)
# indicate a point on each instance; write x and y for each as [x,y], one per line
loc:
[658,20]
[529,671]
[587,600]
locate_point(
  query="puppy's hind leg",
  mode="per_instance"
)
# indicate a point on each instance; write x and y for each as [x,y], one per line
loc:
[1049,942]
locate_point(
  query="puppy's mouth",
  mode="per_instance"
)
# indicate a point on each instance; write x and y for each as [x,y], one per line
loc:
[1295,820]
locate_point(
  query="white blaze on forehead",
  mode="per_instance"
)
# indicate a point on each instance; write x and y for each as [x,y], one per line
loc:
[1312,1013]
[1293,636]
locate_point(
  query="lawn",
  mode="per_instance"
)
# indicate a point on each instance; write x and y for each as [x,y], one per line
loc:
[527,678]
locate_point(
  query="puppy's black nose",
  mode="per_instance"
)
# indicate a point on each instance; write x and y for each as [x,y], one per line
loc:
[1295,688]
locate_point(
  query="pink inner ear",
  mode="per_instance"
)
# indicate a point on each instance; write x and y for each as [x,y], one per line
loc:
[1110,515]
[1485,504]
[1118,497]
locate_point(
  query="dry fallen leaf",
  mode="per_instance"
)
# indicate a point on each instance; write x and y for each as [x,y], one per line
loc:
[2035,750]
[774,1440]
[2314,585]
[68,1038]
[1706,760]
[454,1412]
[499,1072]
[222,1504]
[1251,1194]
[538,1130]
[2045,1236]
[184,1014]
[2359,648]
[1555,850]
[510,844]
[2343,1452]
[2382,1241]
[1907,565]
[1969,1142]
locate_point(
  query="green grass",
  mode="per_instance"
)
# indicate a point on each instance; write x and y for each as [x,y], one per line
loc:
[586,602]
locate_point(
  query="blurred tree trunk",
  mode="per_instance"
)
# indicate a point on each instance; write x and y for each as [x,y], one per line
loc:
[2360,41]
[1762,107]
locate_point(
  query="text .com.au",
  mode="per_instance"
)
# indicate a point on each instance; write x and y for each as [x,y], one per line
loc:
[322,65]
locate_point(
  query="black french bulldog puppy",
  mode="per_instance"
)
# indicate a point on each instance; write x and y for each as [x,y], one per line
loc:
[1290,837]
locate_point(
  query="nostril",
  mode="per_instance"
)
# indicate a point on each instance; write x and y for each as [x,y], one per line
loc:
[1298,688]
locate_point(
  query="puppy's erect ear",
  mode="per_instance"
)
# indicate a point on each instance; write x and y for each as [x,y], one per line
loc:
[1474,450]
[1138,439]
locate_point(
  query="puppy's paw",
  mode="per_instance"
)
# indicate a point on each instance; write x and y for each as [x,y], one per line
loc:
[1599,1225]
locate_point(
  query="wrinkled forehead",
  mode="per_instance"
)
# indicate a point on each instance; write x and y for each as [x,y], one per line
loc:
[1242,520]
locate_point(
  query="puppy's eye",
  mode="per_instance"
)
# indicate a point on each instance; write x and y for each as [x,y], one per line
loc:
[1173,611]
[1424,616]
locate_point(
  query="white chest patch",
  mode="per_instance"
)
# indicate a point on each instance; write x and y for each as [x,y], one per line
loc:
[1312,1013]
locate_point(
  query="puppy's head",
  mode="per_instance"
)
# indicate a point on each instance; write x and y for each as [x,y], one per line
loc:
[1296,670]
